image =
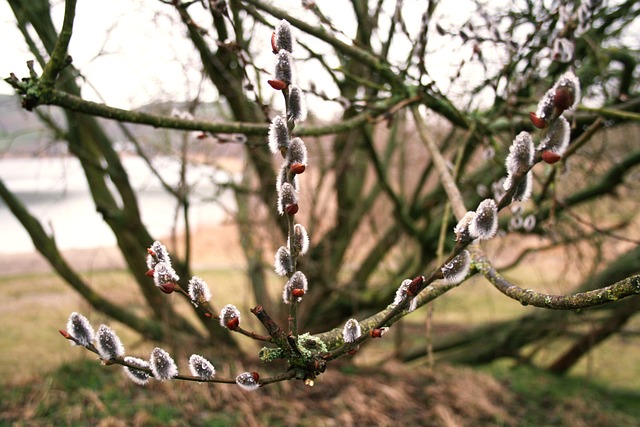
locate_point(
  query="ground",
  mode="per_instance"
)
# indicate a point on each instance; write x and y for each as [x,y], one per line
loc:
[45,382]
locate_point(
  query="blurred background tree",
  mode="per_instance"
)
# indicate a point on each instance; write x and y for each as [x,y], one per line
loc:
[374,205]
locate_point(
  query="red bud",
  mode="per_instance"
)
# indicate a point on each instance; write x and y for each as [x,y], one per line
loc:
[414,286]
[277,84]
[297,168]
[255,376]
[298,293]
[291,209]
[378,332]
[168,287]
[233,324]
[207,315]
[550,157]
[353,351]
[65,334]
[274,47]
[151,252]
[537,121]
[202,135]
[563,98]
[150,273]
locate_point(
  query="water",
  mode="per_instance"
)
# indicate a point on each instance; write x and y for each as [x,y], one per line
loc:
[55,191]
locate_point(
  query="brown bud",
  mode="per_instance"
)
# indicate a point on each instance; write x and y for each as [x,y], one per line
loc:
[414,286]
[353,351]
[233,324]
[255,376]
[274,47]
[202,135]
[291,209]
[563,98]
[378,332]
[297,168]
[150,273]
[168,287]
[550,157]
[65,334]
[277,84]
[537,121]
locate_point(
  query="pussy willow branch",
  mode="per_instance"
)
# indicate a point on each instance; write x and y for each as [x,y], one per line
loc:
[58,58]
[612,113]
[622,289]
[391,315]
[386,317]
[49,96]
[429,290]
[120,361]
[209,312]
[449,184]
[364,56]
[381,66]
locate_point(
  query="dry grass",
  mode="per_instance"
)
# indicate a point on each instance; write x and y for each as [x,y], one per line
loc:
[86,393]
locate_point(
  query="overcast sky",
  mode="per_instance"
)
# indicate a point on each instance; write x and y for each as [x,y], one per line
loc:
[133,53]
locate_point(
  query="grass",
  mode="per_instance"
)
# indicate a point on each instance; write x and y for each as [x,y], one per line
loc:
[85,393]
[45,382]
[553,400]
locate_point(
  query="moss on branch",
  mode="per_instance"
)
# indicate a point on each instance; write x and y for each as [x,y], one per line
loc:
[621,289]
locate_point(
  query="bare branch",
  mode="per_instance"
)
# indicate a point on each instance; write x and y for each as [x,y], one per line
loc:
[622,289]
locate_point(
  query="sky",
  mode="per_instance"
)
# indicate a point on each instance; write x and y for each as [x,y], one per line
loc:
[132,53]
[135,52]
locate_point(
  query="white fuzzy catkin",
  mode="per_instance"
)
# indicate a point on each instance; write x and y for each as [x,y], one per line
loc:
[297,107]
[80,329]
[456,270]
[162,365]
[485,222]
[557,138]
[284,37]
[228,313]
[201,367]
[164,273]
[401,292]
[297,281]
[520,159]
[286,197]
[136,375]
[562,50]
[462,231]
[157,253]
[278,135]
[199,290]
[284,70]
[521,154]
[300,240]
[297,152]
[283,264]
[351,331]
[248,381]
[109,345]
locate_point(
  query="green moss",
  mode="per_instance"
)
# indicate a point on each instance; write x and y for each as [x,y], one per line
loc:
[269,354]
[310,346]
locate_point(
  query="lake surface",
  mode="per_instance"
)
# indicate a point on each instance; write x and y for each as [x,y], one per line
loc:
[54,190]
